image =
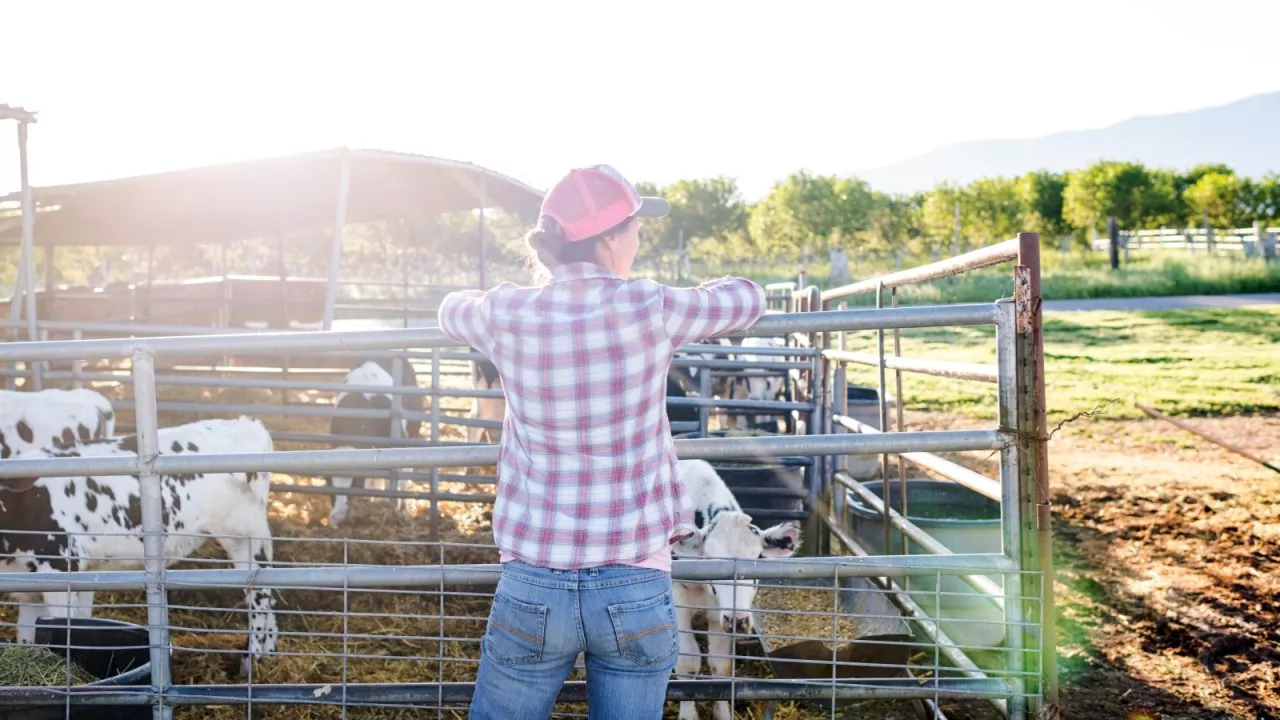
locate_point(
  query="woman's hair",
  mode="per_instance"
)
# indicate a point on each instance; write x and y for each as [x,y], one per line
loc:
[548,249]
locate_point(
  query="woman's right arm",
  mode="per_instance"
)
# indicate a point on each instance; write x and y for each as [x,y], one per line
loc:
[716,307]
[462,317]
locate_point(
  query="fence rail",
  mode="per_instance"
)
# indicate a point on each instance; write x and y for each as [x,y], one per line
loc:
[1254,242]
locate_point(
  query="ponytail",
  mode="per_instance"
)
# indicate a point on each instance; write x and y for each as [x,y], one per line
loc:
[548,249]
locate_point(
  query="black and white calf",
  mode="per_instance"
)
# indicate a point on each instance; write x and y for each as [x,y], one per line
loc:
[53,418]
[484,376]
[759,385]
[371,373]
[724,531]
[67,524]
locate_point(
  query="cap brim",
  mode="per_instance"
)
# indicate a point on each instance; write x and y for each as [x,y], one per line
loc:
[652,207]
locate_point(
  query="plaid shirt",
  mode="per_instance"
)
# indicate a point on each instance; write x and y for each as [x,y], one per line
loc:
[586,465]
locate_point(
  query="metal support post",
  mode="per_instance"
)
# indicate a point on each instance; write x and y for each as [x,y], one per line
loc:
[153,531]
[335,245]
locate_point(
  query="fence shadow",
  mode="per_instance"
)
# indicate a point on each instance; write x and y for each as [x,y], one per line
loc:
[1099,625]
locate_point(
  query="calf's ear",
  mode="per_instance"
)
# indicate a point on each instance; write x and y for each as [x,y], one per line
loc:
[688,546]
[18,484]
[780,541]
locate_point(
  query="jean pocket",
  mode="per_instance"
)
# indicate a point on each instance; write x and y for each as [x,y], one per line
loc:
[645,630]
[516,632]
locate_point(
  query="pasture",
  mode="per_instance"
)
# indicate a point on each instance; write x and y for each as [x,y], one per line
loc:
[1200,362]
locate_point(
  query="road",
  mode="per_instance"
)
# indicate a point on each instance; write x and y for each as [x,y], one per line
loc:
[1163,303]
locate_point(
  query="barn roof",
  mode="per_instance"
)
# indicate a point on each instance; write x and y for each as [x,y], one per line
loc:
[258,198]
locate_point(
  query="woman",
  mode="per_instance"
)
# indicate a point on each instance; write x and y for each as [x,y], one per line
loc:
[588,501]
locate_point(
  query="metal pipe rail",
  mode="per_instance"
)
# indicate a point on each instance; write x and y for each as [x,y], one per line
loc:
[937,368]
[381,694]
[330,461]
[959,474]
[278,343]
[973,260]
[487,575]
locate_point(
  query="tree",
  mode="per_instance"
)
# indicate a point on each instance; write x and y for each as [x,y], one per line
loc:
[937,214]
[1123,189]
[1041,195]
[1264,203]
[1221,199]
[992,209]
[707,211]
[807,213]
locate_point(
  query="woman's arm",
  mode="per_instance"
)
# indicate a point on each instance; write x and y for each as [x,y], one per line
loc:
[462,317]
[716,307]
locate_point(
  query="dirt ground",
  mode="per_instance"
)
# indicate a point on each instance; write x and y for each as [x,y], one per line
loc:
[1167,549]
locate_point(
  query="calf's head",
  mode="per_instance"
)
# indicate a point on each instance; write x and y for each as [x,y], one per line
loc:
[731,534]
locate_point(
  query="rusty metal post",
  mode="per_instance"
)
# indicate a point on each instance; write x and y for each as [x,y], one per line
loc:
[1034,493]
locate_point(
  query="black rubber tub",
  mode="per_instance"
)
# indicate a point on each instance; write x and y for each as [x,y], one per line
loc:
[118,653]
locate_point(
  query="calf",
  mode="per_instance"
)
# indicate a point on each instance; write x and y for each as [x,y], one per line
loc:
[408,403]
[484,376]
[759,385]
[66,524]
[723,531]
[53,418]
[369,373]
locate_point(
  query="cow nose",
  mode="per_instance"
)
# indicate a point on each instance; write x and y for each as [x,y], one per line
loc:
[736,625]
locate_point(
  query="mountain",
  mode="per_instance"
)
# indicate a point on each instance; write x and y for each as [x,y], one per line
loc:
[1243,134]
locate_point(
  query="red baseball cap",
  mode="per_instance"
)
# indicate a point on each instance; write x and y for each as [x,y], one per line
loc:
[591,200]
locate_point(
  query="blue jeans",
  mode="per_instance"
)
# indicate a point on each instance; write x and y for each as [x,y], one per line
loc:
[622,617]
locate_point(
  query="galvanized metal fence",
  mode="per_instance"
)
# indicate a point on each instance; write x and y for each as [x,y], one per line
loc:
[391,618]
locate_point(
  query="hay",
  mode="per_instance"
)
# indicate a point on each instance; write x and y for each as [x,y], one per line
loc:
[38,666]
[787,619]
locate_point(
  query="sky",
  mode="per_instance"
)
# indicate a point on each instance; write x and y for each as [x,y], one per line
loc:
[661,90]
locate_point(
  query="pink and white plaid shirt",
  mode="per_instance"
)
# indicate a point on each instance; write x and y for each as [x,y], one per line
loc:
[586,466]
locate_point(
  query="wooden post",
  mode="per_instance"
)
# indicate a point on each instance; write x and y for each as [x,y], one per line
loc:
[1113,232]
[1208,234]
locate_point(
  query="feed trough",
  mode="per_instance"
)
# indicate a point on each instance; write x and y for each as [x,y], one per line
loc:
[960,519]
[853,634]
[116,653]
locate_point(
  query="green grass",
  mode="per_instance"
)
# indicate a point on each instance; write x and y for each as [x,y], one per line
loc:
[1182,362]
[1080,276]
